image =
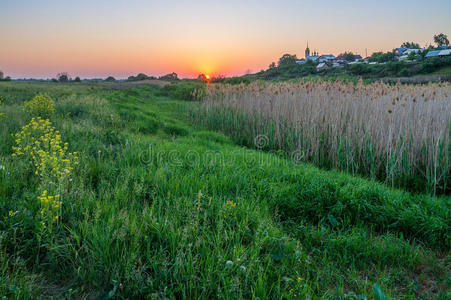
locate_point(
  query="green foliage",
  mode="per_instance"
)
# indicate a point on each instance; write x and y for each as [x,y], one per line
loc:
[410,45]
[140,77]
[404,72]
[63,77]
[381,57]
[170,77]
[348,56]
[184,90]
[232,80]
[441,39]
[155,215]
[287,60]
[40,106]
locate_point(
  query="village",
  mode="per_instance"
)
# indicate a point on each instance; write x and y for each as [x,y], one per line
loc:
[329,61]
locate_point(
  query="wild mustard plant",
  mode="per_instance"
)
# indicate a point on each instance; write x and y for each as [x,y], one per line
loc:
[1,103]
[40,105]
[41,142]
[50,209]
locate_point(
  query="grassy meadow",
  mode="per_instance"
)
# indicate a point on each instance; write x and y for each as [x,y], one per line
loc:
[128,192]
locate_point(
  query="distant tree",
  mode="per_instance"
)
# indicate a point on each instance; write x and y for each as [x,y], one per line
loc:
[141,76]
[170,76]
[410,45]
[54,80]
[348,56]
[77,79]
[272,65]
[287,60]
[1,75]
[382,57]
[110,79]
[441,39]
[412,56]
[63,77]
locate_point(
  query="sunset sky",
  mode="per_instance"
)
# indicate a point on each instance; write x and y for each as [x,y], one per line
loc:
[120,38]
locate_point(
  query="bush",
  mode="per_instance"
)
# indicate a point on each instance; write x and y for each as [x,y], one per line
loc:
[41,105]
[404,73]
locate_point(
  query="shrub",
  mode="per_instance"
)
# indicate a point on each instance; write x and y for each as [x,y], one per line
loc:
[404,72]
[41,105]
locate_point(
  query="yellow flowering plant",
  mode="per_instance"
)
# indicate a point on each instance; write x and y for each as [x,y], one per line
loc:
[1,103]
[42,143]
[50,211]
[40,105]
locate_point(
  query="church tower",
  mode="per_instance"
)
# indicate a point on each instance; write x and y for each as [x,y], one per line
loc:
[307,52]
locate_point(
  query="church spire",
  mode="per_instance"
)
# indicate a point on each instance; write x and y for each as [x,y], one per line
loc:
[307,51]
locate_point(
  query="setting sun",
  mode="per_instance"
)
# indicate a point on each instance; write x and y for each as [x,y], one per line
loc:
[207,77]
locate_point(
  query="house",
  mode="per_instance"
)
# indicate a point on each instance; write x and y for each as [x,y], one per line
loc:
[322,66]
[400,51]
[301,62]
[326,58]
[337,65]
[408,51]
[314,58]
[432,54]
[444,53]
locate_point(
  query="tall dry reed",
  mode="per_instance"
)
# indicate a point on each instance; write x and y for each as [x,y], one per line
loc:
[399,134]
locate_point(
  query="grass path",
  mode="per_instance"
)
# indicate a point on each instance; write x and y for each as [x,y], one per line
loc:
[161,209]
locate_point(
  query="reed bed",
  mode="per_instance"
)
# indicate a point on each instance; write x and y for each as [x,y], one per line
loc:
[398,134]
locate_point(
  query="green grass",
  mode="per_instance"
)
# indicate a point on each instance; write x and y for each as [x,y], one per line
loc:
[443,71]
[161,208]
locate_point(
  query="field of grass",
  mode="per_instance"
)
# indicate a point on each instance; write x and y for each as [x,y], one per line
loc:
[158,207]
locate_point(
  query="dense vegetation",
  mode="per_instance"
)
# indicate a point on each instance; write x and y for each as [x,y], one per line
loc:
[155,207]
[387,68]
[398,134]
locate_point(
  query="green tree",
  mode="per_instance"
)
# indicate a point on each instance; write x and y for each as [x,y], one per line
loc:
[412,56]
[170,76]
[348,56]
[272,65]
[382,57]
[441,39]
[410,45]
[63,77]
[77,79]
[287,60]
[1,75]
[110,79]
